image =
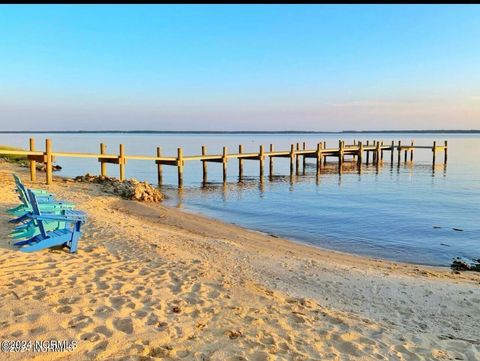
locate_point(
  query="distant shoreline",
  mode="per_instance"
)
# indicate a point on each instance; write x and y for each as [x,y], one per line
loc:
[437,131]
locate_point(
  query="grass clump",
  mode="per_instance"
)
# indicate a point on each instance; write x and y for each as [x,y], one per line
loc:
[12,157]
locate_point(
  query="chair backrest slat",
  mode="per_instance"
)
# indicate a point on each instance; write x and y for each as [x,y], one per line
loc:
[22,190]
[36,211]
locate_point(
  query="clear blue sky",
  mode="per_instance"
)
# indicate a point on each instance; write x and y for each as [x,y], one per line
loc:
[237,67]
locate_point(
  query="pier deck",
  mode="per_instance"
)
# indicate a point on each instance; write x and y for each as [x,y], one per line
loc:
[358,151]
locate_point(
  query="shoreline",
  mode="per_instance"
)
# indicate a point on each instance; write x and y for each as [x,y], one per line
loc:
[154,281]
[200,213]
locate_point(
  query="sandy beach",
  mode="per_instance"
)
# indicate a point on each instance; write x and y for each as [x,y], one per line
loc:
[151,282]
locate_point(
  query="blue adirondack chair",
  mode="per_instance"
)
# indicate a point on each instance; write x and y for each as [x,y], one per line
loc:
[67,236]
[46,203]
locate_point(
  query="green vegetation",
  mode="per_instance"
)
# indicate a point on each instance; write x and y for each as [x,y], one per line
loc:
[11,157]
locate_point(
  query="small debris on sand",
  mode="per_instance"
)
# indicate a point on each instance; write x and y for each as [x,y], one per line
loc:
[233,334]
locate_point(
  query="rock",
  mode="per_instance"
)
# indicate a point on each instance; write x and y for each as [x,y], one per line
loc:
[459,264]
[41,167]
[128,189]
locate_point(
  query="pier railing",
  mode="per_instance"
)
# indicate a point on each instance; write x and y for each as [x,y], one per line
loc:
[360,151]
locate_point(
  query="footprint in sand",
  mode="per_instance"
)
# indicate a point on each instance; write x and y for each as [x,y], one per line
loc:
[33,317]
[152,319]
[37,331]
[80,322]
[117,301]
[90,336]
[124,325]
[64,309]
[102,285]
[99,347]
[104,331]
[139,314]
[100,272]
[68,300]
[18,313]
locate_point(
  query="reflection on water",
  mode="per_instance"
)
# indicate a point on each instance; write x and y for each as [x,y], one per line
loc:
[405,211]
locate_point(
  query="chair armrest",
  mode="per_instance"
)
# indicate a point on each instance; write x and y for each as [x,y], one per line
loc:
[58,217]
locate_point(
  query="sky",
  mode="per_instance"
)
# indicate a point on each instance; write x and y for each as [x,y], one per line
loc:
[239,67]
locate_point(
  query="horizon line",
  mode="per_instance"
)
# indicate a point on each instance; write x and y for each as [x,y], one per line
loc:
[146,131]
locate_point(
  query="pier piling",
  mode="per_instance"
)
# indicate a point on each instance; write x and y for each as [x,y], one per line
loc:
[368,152]
[33,162]
[49,161]
[224,164]
[319,156]
[180,167]
[159,167]
[360,152]
[445,152]
[261,158]
[240,162]
[392,148]
[121,162]
[204,164]
[103,165]
[270,165]
[304,147]
[292,158]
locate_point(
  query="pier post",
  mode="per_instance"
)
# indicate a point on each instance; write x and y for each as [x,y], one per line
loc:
[434,150]
[340,151]
[324,147]
[392,148]
[381,151]
[319,156]
[180,167]
[121,162]
[297,161]
[406,155]
[204,164]
[270,168]
[159,167]
[240,162]
[292,158]
[224,164]
[411,152]
[261,158]
[33,163]
[378,152]
[49,161]
[103,165]
[360,152]
[304,157]
[399,152]
[445,152]
[368,153]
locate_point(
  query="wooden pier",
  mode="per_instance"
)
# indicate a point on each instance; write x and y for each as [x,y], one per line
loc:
[358,151]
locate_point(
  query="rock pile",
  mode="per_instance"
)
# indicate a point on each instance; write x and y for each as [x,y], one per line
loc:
[128,189]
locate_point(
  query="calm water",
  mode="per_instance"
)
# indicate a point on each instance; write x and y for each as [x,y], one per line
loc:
[404,213]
